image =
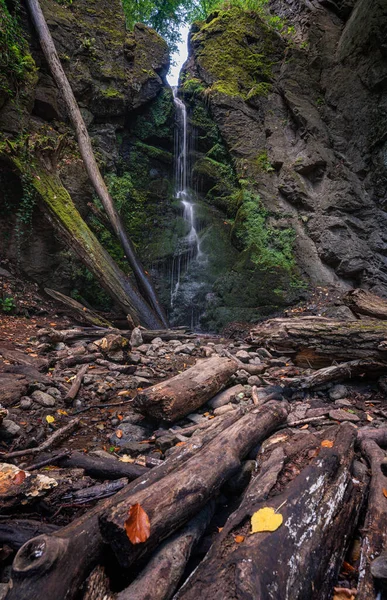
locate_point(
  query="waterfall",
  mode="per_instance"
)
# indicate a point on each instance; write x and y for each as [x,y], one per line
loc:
[189,249]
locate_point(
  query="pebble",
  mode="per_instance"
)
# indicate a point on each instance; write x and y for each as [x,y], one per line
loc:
[44,399]
[9,429]
[342,415]
[130,433]
[136,338]
[54,392]
[338,392]
[25,403]
[343,402]
[254,380]
[243,356]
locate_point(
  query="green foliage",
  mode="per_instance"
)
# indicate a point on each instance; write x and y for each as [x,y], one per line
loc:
[16,63]
[202,9]
[263,162]
[165,17]
[7,305]
[271,248]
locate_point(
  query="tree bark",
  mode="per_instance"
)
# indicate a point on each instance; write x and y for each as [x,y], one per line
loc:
[67,557]
[87,154]
[100,468]
[302,557]
[362,302]
[173,399]
[374,531]
[340,372]
[162,574]
[81,313]
[318,342]
[174,499]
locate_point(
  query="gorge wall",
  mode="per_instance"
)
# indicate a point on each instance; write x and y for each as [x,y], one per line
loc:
[288,113]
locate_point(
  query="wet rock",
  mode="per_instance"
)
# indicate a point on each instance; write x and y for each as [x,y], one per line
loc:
[255,361]
[130,433]
[243,356]
[254,380]
[185,349]
[343,402]
[136,338]
[44,399]
[340,414]
[337,392]
[54,392]
[9,430]
[26,403]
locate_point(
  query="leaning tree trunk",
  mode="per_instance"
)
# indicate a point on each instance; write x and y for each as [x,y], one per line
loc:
[87,154]
[67,221]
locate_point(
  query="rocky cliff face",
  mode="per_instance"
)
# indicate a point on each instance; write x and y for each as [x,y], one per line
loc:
[118,78]
[302,115]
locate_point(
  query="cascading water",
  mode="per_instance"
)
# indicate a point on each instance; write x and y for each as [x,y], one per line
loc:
[189,249]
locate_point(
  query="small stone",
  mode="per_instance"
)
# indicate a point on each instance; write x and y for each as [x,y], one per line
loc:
[134,358]
[255,361]
[263,353]
[337,392]
[60,346]
[136,338]
[254,380]
[54,392]
[143,348]
[243,356]
[343,402]
[130,433]
[185,349]
[77,403]
[135,448]
[9,430]
[25,403]
[226,396]
[114,422]
[44,399]
[157,341]
[340,414]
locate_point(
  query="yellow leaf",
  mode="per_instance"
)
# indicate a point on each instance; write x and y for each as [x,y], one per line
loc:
[305,426]
[124,393]
[327,444]
[60,411]
[265,519]
[369,418]
[50,419]
[126,459]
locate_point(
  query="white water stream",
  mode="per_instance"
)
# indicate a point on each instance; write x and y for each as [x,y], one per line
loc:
[189,250]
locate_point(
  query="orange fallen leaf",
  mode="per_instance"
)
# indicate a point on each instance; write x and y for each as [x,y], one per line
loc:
[239,538]
[120,417]
[348,568]
[327,444]
[137,525]
[305,426]
[19,477]
[180,444]
[119,433]
[385,492]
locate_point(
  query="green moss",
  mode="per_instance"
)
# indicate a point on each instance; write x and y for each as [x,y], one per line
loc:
[155,153]
[192,86]
[263,163]
[236,48]
[259,90]
[111,93]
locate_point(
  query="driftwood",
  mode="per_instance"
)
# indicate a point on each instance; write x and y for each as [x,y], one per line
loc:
[173,399]
[98,467]
[66,558]
[161,576]
[49,335]
[374,531]
[362,302]
[72,361]
[320,508]
[371,433]
[183,492]
[53,439]
[81,313]
[336,373]
[95,492]
[16,532]
[318,342]
[76,385]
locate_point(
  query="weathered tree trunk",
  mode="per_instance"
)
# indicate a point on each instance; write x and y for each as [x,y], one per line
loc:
[318,342]
[87,154]
[162,574]
[173,399]
[100,468]
[301,559]
[174,499]
[374,531]
[81,313]
[76,385]
[336,373]
[67,557]
[16,532]
[362,302]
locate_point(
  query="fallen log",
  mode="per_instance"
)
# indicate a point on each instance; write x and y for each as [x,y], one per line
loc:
[374,531]
[98,467]
[371,433]
[49,335]
[16,532]
[362,302]
[95,492]
[55,566]
[72,361]
[318,342]
[76,385]
[82,313]
[161,576]
[173,399]
[336,373]
[303,555]
[183,492]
